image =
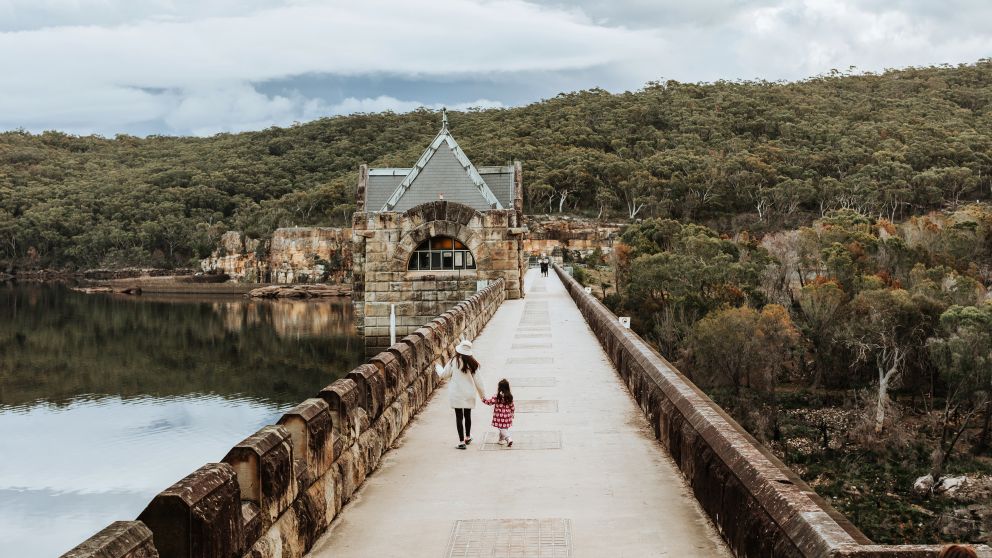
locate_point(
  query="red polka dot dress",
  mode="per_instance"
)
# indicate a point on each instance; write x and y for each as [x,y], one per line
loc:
[502,412]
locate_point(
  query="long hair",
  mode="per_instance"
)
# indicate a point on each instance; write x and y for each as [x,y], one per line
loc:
[467,363]
[957,551]
[503,392]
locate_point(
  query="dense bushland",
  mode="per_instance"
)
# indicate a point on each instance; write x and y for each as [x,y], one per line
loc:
[734,155]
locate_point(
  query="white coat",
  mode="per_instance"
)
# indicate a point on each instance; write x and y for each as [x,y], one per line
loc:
[463,387]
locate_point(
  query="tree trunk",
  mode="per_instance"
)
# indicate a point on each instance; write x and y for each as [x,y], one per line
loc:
[937,471]
[885,379]
[982,443]
[883,399]
[943,454]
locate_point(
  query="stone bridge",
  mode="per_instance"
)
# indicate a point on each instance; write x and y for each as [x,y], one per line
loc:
[615,454]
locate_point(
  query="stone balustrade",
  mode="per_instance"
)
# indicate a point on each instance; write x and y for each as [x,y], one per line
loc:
[760,507]
[277,490]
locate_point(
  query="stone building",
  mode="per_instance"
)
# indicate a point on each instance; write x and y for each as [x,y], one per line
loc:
[429,236]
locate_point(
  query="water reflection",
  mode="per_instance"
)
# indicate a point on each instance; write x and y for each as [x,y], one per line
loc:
[105,401]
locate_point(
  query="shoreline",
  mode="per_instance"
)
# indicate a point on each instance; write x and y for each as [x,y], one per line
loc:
[163,285]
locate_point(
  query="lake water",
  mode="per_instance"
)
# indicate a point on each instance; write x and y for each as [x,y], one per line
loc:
[106,400]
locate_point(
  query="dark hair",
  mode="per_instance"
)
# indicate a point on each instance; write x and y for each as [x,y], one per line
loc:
[467,363]
[503,392]
[957,551]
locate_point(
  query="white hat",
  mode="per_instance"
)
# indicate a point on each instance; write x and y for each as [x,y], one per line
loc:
[464,347]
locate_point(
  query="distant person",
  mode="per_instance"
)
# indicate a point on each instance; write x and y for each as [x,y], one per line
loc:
[502,404]
[544,266]
[464,386]
[957,551]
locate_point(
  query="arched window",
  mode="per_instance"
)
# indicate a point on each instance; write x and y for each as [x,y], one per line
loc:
[441,253]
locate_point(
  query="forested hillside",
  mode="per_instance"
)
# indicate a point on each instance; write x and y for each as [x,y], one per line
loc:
[734,155]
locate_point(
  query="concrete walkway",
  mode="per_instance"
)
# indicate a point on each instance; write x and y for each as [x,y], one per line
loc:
[585,477]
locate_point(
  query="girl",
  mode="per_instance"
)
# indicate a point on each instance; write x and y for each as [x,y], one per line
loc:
[957,551]
[502,404]
[465,384]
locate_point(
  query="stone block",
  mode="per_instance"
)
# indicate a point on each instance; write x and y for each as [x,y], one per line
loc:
[429,212]
[371,382]
[391,371]
[418,359]
[430,348]
[376,309]
[423,284]
[426,308]
[309,426]
[120,539]
[342,396]
[198,516]
[384,426]
[390,297]
[401,352]
[265,470]
[373,446]
[251,522]
[445,332]
[351,472]
[311,517]
[460,214]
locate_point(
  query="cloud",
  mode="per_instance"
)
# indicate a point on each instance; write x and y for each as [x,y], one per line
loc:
[186,71]
[242,107]
[202,66]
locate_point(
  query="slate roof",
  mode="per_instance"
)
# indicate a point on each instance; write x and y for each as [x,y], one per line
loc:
[443,168]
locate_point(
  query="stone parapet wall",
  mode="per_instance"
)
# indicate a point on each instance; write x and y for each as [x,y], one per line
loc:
[760,506]
[279,489]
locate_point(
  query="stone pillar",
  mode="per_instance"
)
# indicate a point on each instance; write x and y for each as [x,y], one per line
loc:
[363,182]
[358,261]
[265,471]
[198,516]
[518,191]
[120,539]
[309,426]
[371,382]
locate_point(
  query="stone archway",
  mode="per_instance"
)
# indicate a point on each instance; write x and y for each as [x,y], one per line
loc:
[430,226]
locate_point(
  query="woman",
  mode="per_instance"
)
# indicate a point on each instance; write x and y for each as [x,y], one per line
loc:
[464,386]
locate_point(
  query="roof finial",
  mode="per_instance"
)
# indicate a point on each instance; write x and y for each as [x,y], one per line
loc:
[444,118]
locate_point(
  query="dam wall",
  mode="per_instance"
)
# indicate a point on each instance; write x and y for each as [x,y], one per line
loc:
[276,492]
[760,507]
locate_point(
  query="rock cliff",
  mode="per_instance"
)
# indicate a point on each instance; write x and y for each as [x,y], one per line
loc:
[293,255]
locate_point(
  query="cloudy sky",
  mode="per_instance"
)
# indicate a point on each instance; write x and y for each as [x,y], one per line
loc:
[205,66]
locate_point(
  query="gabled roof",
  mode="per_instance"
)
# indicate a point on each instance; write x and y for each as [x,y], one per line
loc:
[443,138]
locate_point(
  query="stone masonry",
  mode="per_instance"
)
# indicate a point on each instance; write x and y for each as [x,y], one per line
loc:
[398,209]
[383,245]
